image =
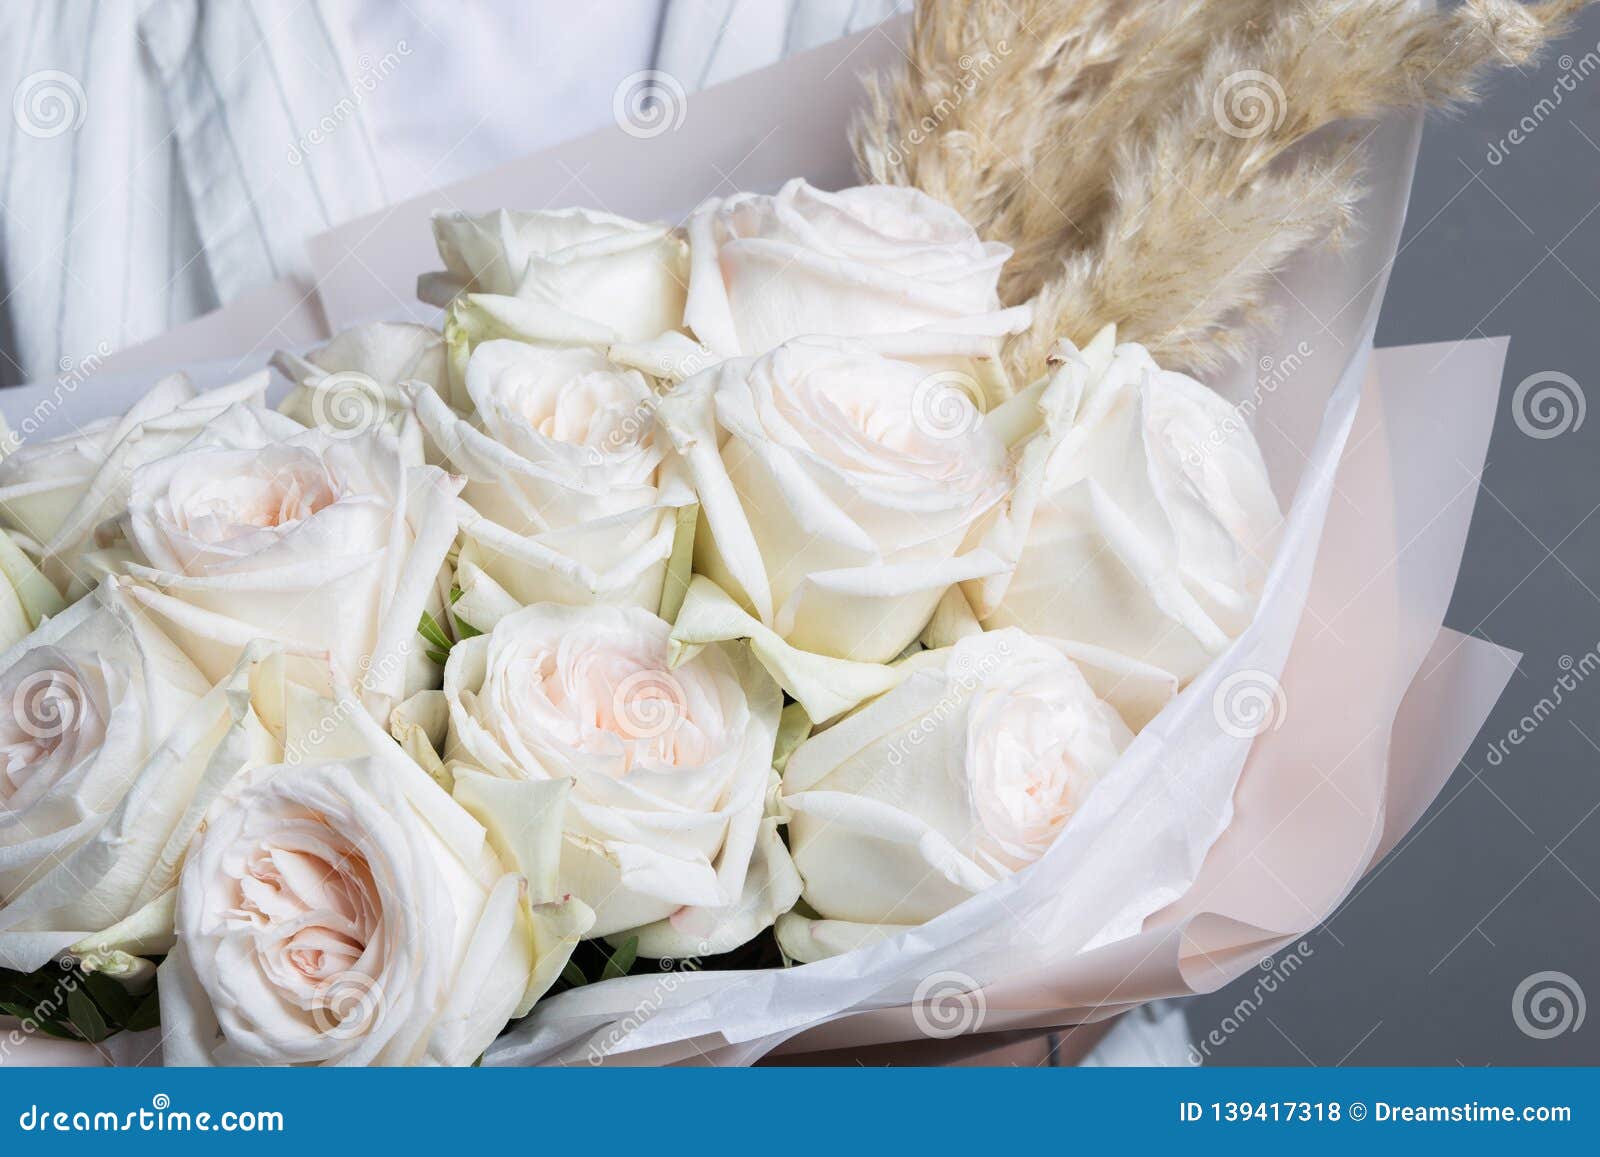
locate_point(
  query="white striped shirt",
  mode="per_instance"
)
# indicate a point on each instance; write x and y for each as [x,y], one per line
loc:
[165,156]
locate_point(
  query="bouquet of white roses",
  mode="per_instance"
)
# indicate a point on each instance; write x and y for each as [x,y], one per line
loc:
[742,596]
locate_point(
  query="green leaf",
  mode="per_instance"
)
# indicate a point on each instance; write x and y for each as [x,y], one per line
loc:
[114,1000]
[478,1064]
[465,630]
[74,1005]
[428,627]
[29,1015]
[146,1015]
[621,960]
[20,1011]
[455,594]
[573,975]
[85,1016]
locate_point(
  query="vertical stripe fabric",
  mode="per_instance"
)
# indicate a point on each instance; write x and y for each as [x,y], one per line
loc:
[704,42]
[165,156]
[162,158]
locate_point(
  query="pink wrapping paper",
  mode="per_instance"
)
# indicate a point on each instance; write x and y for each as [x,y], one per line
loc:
[1382,705]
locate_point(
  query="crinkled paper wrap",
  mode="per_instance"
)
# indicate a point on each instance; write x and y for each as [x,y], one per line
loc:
[1203,851]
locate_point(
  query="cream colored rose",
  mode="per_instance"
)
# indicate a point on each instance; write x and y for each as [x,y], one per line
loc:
[112,745]
[54,493]
[350,912]
[571,497]
[261,528]
[1143,519]
[964,773]
[668,831]
[872,261]
[26,596]
[838,492]
[357,380]
[563,277]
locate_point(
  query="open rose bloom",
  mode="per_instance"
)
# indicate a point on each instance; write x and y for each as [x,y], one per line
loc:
[693,643]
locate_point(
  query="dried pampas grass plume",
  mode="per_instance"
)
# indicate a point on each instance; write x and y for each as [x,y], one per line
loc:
[1141,157]
[1008,110]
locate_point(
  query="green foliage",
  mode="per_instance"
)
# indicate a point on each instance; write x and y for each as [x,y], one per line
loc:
[596,958]
[439,642]
[621,960]
[68,1004]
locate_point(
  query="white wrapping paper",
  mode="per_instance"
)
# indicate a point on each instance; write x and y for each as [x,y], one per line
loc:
[1202,851]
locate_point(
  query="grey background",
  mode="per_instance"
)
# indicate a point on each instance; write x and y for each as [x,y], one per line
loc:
[1501,879]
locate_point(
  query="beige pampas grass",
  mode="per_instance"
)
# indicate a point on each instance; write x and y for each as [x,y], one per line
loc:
[1009,110]
[1141,157]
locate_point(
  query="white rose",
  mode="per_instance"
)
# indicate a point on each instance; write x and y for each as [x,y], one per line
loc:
[668,831]
[54,493]
[564,277]
[357,380]
[838,490]
[872,261]
[571,499]
[964,773]
[111,746]
[1143,518]
[350,912]
[261,528]
[26,596]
